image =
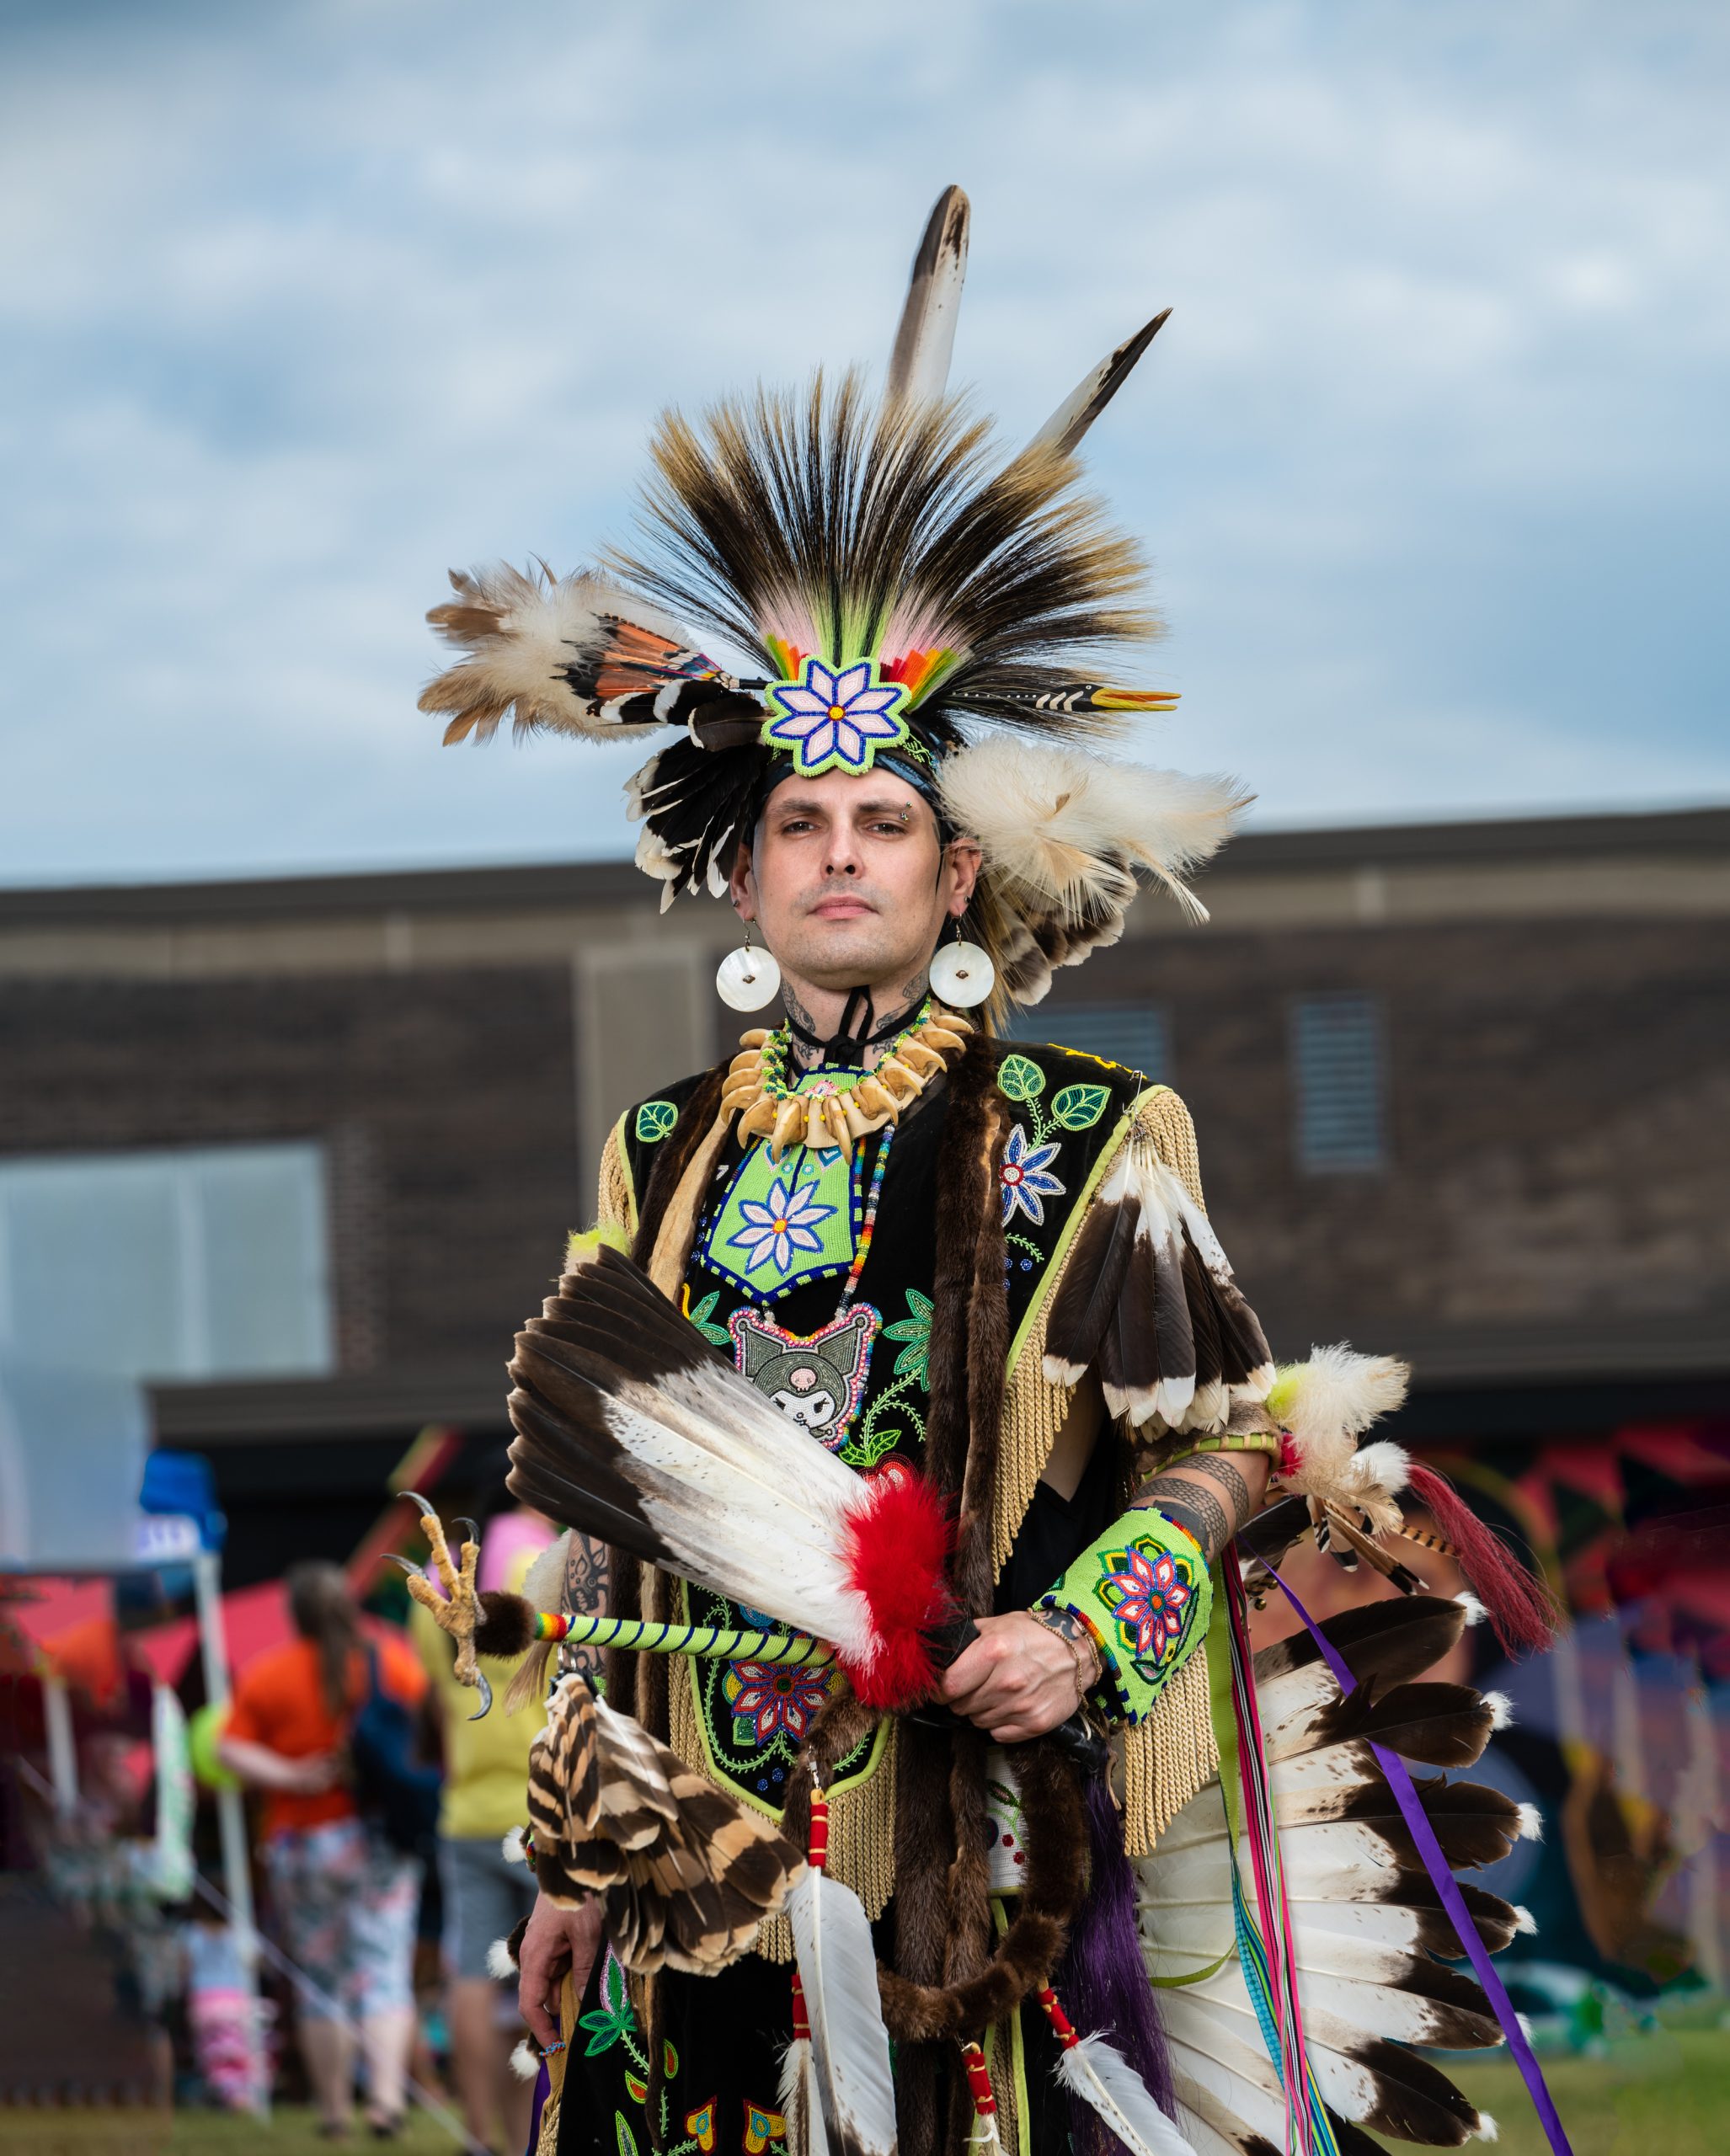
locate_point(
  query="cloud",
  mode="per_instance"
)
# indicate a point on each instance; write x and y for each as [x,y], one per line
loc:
[300,306]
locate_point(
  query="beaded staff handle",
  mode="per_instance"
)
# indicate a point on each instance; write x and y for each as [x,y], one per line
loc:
[711,1641]
[1077,1736]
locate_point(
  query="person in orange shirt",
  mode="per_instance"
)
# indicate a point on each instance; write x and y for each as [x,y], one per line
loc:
[346,1900]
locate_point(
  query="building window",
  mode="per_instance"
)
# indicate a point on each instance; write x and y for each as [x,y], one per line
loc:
[1339,1072]
[199,1263]
[1135,1034]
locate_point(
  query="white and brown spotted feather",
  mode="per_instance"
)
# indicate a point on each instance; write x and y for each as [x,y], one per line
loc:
[685,1872]
[1368,1924]
[1148,1300]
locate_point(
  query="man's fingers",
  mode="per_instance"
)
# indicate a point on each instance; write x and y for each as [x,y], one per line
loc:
[537,1993]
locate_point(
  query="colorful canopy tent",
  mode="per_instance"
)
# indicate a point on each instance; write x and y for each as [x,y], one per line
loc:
[72,1452]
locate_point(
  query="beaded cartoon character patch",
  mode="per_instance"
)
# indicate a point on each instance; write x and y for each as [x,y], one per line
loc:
[819,1378]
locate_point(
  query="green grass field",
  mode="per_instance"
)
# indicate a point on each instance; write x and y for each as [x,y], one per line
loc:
[1663,2094]
[1666,2093]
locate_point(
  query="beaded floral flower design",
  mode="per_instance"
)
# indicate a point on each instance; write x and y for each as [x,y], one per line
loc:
[1026,1176]
[1148,1596]
[785,1221]
[836,720]
[772,1697]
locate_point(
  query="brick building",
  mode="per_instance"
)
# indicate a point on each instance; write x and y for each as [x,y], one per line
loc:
[302,1150]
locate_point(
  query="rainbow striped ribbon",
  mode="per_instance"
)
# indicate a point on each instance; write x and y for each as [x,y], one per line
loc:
[1271,1977]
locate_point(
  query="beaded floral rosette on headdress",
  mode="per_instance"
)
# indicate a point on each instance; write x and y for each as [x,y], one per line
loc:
[905,594]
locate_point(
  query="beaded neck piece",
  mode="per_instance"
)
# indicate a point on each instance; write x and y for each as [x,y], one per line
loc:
[836,1111]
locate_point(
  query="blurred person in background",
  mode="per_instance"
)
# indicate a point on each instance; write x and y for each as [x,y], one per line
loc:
[345,1897]
[485,1895]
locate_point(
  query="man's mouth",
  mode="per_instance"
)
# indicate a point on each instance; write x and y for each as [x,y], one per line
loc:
[844,906]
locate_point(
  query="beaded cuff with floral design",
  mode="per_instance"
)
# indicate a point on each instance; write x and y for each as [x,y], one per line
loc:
[1143,1595]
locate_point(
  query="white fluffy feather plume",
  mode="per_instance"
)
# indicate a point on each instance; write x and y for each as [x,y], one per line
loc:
[519,635]
[850,2045]
[1326,1404]
[1070,831]
[1104,2079]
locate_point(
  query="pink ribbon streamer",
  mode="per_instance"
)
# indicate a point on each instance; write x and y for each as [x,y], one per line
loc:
[1447,1886]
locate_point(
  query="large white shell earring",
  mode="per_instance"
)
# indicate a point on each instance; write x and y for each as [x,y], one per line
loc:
[746,979]
[962,974]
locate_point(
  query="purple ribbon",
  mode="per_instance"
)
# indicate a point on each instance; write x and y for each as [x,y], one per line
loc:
[543,2089]
[1453,1901]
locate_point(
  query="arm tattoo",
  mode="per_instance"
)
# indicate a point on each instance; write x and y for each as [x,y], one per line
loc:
[1192,1508]
[583,1594]
[1218,1468]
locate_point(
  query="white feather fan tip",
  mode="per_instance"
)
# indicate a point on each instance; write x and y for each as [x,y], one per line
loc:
[1070,829]
[524,2061]
[499,1965]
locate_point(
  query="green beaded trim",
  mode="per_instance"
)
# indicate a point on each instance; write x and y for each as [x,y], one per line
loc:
[1262,1441]
[1143,1595]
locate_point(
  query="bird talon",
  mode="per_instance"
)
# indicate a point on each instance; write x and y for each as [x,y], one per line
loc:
[486,1691]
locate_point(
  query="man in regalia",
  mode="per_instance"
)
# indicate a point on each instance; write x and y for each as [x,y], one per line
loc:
[891,1284]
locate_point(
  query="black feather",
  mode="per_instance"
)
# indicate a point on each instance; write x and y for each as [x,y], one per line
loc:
[856,509]
[1092,1282]
[1383,1643]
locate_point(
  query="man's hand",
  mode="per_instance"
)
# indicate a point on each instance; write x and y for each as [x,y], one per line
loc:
[557,1940]
[1016,1680]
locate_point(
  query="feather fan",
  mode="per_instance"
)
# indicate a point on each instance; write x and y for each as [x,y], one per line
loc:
[1367,1923]
[629,1427]
[686,1872]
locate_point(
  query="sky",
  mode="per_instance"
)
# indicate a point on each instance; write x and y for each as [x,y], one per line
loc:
[303,302]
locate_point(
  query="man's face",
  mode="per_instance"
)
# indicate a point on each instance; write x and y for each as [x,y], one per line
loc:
[848,880]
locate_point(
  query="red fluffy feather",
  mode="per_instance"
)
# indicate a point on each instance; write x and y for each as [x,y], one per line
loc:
[1522,1613]
[898,1543]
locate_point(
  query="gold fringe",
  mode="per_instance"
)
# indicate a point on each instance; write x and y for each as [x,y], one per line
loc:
[1166,1758]
[861,1815]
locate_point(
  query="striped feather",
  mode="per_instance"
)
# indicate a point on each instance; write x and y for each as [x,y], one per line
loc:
[686,1873]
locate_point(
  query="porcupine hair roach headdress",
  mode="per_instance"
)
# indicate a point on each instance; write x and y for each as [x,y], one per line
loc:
[915,598]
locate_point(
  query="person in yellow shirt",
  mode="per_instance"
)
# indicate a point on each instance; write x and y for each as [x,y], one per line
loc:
[486,1770]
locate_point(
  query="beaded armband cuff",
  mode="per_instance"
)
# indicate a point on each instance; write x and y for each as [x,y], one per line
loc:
[1267,1442]
[1143,1595]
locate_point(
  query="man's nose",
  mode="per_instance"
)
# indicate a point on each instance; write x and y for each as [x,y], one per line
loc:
[842,860]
